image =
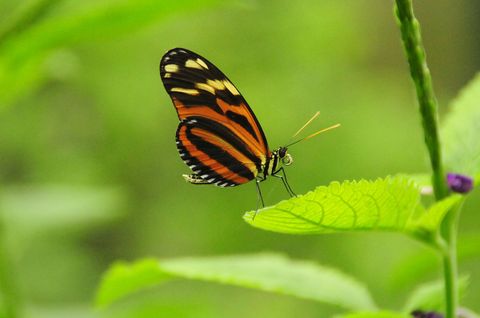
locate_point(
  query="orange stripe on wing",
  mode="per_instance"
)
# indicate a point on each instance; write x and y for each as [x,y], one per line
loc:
[208,161]
[243,110]
[256,148]
[219,142]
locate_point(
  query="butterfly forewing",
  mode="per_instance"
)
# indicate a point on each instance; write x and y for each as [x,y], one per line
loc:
[219,137]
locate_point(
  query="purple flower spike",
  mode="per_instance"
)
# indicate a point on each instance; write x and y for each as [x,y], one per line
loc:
[417,314]
[459,183]
[426,314]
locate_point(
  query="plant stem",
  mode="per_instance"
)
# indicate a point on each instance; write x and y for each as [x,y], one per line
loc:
[420,73]
[450,269]
[449,230]
[412,42]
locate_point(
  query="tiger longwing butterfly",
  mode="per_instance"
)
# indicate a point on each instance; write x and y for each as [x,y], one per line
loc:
[218,137]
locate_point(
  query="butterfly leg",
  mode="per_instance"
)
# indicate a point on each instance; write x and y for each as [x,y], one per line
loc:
[285,181]
[259,197]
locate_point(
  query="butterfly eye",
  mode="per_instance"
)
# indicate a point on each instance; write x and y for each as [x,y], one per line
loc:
[287,159]
[282,152]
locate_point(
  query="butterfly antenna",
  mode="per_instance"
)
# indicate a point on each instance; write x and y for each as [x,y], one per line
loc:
[306,124]
[314,134]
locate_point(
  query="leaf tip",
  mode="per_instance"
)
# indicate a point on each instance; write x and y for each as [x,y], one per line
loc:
[249,217]
[123,278]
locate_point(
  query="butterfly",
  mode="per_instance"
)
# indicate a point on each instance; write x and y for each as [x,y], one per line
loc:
[218,136]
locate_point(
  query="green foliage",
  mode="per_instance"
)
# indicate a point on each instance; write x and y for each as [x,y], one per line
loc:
[22,55]
[431,296]
[266,272]
[90,111]
[424,264]
[430,221]
[390,204]
[44,208]
[384,204]
[153,306]
[123,279]
[421,179]
[460,132]
[27,14]
[427,102]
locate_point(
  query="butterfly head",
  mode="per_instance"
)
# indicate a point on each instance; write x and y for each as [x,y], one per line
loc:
[283,155]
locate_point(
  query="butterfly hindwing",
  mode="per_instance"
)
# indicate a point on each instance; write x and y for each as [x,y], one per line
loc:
[216,122]
[214,154]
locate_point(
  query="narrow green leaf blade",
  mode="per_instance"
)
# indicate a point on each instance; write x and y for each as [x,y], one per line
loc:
[267,272]
[461,144]
[383,204]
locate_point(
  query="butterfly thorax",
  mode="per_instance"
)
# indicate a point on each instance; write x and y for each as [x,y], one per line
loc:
[277,158]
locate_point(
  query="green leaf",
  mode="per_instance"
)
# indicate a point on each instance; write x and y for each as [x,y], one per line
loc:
[390,204]
[422,180]
[423,264]
[461,144]
[384,204]
[267,272]
[378,314]
[43,208]
[152,306]
[22,55]
[123,279]
[428,223]
[161,311]
[431,296]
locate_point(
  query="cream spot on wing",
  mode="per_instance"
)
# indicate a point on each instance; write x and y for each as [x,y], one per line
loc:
[185,91]
[171,68]
[202,63]
[167,75]
[231,88]
[205,87]
[193,64]
[216,84]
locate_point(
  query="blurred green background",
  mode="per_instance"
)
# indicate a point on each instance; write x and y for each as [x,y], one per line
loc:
[90,174]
